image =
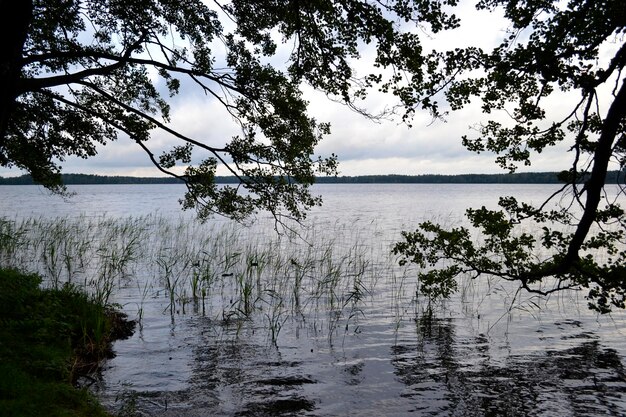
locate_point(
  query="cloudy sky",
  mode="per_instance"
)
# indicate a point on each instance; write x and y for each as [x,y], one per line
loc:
[363,146]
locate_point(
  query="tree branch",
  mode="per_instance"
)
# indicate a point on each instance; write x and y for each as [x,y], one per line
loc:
[602,156]
[36,84]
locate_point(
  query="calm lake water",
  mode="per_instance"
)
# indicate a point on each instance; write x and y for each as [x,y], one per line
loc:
[322,322]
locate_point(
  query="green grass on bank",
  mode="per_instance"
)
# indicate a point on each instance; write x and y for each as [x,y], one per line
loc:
[48,339]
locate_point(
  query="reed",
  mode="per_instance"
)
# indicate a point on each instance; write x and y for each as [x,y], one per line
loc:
[11,240]
[221,268]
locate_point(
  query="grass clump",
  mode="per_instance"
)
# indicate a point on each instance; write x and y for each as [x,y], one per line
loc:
[49,338]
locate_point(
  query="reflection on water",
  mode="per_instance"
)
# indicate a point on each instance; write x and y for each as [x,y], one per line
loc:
[428,367]
[251,379]
[445,378]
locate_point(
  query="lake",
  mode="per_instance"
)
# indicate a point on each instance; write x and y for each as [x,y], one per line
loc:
[317,321]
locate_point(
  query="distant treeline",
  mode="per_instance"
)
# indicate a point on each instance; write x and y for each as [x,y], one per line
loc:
[72,179]
[517,178]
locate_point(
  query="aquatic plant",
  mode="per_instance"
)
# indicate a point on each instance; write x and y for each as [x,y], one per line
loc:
[221,268]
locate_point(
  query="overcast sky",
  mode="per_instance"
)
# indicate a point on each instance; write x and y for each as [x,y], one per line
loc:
[363,146]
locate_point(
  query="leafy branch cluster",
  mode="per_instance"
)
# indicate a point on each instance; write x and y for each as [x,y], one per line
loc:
[80,73]
[552,48]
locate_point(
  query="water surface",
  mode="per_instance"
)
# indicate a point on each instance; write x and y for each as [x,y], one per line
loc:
[352,336]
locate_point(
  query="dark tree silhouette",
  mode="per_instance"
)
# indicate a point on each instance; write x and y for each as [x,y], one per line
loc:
[551,48]
[75,73]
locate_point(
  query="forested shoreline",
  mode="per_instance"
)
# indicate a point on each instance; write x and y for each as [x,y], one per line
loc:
[613,177]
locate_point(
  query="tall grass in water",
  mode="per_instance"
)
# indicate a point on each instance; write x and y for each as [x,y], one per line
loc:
[13,241]
[223,269]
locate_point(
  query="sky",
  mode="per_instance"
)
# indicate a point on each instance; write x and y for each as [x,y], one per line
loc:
[363,147]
